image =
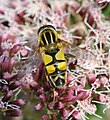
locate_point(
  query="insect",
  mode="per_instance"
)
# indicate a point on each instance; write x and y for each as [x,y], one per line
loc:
[50,47]
[53,56]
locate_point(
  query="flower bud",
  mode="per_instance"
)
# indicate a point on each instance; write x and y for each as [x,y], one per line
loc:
[14,113]
[50,106]
[40,90]
[69,96]
[82,95]
[5,88]
[24,52]
[12,61]
[64,112]
[45,117]
[1,59]
[39,106]
[7,96]
[91,77]
[18,102]
[76,115]
[43,97]
[14,50]
[1,51]
[14,85]
[59,105]
[7,76]
[5,64]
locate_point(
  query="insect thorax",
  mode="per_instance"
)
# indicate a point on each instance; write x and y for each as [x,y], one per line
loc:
[48,37]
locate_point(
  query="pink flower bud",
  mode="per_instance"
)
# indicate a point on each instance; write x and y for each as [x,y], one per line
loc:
[1,59]
[7,96]
[24,52]
[59,105]
[82,95]
[14,85]
[45,117]
[7,76]
[14,113]
[69,96]
[43,97]
[39,106]
[5,64]
[40,90]
[1,50]
[5,88]
[18,102]
[104,80]
[11,65]
[50,106]
[64,112]
[76,115]
[14,50]
[91,77]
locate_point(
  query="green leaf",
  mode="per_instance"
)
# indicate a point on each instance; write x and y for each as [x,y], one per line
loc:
[107,11]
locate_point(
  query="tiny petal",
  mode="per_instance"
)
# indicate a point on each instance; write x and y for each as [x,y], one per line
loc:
[39,106]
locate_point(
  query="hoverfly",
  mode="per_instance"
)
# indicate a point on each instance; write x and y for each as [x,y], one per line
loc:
[54,58]
[52,55]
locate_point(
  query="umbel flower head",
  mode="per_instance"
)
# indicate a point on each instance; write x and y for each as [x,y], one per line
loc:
[85,26]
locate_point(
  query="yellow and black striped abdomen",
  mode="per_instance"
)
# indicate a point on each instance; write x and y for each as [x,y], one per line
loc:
[55,64]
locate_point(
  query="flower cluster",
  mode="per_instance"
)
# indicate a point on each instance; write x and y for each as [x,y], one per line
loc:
[9,85]
[85,26]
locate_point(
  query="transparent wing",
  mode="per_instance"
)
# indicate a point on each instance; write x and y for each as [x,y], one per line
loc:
[85,58]
[81,53]
[29,66]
